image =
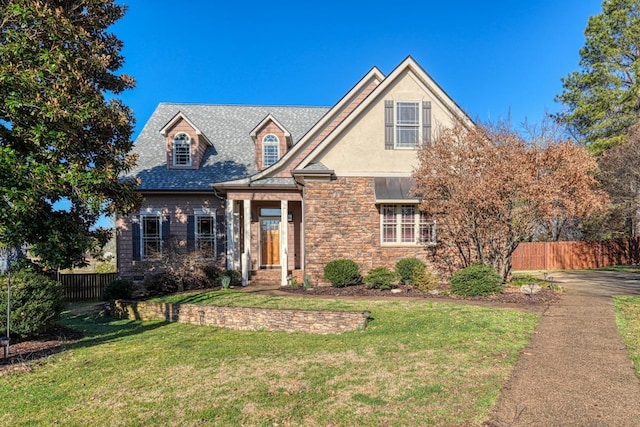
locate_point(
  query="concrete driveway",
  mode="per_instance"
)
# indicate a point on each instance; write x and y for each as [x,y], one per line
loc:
[598,283]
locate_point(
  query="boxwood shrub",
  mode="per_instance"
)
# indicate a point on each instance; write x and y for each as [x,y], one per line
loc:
[342,272]
[476,280]
[380,278]
[407,267]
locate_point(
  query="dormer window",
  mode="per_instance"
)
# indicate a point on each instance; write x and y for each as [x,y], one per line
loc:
[181,149]
[270,150]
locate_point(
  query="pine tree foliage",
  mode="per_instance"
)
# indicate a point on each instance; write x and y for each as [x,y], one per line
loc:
[603,99]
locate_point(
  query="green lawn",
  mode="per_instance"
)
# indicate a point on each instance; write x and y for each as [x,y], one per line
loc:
[418,363]
[628,320]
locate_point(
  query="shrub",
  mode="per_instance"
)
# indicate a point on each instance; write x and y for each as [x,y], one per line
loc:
[424,279]
[380,278]
[476,280]
[118,289]
[342,272]
[160,284]
[212,273]
[215,274]
[36,303]
[236,277]
[406,268]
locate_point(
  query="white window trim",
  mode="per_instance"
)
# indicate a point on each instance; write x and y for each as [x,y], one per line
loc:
[189,145]
[395,124]
[265,143]
[416,222]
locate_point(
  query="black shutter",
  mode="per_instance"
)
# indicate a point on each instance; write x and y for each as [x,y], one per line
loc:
[165,230]
[388,125]
[135,237]
[191,233]
[221,231]
[426,122]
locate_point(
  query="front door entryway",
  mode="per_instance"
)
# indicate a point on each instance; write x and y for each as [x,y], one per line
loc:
[269,242]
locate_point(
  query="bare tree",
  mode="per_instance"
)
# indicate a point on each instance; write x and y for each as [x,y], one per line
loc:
[489,190]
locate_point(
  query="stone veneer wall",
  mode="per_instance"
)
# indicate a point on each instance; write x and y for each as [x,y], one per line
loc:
[243,318]
[343,221]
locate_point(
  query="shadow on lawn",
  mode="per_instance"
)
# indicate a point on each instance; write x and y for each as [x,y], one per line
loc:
[99,328]
[79,329]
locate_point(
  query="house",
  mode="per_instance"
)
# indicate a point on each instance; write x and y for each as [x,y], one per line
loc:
[274,191]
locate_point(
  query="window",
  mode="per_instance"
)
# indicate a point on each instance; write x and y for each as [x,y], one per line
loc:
[405,225]
[407,124]
[181,149]
[270,150]
[205,235]
[151,235]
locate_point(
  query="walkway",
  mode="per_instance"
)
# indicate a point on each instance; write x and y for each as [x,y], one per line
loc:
[575,370]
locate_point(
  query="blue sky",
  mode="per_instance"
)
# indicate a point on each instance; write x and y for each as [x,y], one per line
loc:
[495,59]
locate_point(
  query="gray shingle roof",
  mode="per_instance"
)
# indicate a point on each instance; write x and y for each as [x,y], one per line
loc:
[232,155]
[316,167]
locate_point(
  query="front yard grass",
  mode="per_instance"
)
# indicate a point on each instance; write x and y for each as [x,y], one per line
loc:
[417,363]
[628,320]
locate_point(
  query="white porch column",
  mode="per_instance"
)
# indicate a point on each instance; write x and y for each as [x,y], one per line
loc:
[284,241]
[246,254]
[231,244]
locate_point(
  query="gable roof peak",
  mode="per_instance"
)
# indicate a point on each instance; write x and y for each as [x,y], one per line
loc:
[263,122]
[181,116]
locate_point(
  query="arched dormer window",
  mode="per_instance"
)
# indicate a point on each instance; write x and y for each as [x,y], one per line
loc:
[270,150]
[181,149]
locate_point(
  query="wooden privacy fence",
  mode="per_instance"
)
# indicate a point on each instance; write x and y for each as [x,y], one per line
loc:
[575,255]
[84,287]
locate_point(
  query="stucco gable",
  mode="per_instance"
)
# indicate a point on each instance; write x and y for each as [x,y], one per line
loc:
[407,80]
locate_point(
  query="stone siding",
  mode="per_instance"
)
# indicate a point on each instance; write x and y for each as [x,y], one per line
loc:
[343,221]
[243,318]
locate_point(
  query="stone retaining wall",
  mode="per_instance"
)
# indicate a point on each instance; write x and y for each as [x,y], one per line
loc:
[243,318]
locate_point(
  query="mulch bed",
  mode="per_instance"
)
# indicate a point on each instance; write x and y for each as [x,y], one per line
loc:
[23,353]
[510,297]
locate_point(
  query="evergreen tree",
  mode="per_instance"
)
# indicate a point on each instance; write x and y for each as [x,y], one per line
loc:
[64,137]
[603,99]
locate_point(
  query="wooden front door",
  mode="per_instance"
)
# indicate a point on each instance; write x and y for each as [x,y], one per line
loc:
[269,242]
